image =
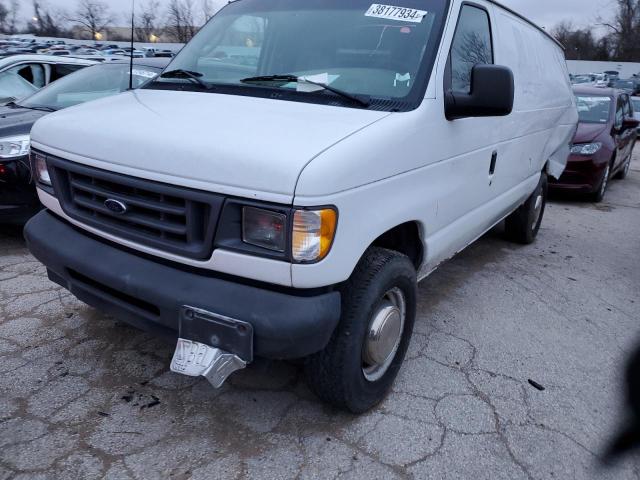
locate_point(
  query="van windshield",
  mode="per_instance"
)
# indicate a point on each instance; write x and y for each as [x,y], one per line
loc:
[383,52]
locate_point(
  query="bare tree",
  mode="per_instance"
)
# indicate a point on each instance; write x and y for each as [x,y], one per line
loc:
[4,16]
[472,50]
[211,7]
[147,21]
[94,15]
[621,43]
[180,20]
[11,21]
[207,10]
[580,44]
[46,21]
[625,28]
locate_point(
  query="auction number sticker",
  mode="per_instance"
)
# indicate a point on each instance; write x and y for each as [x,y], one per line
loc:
[144,73]
[401,14]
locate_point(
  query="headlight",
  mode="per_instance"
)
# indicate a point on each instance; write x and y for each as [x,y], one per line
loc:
[297,235]
[14,147]
[313,233]
[586,148]
[264,228]
[40,169]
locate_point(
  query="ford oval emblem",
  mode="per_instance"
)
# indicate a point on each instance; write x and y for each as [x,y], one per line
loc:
[116,206]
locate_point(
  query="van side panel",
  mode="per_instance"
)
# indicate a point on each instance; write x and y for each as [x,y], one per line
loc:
[437,172]
[544,99]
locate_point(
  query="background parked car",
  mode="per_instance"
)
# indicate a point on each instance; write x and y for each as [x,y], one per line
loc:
[602,79]
[114,52]
[36,70]
[18,200]
[586,79]
[626,85]
[603,144]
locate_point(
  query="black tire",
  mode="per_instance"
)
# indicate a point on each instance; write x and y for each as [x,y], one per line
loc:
[336,374]
[624,173]
[523,225]
[598,195]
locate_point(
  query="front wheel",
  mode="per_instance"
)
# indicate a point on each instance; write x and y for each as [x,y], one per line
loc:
[523,225]
[599,194]
[624,173]
[357,368]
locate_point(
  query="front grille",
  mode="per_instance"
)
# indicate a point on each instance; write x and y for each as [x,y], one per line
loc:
[176,220]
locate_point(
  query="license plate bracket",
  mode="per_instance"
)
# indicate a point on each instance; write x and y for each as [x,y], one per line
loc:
[227,334]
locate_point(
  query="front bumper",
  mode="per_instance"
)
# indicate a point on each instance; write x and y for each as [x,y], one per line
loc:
[18,198]
[582,174]
[287,323]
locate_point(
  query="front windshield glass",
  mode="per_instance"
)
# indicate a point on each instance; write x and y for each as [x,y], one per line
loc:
[378,51]
[636,104]
[90,83]
[13,86]
[594,108]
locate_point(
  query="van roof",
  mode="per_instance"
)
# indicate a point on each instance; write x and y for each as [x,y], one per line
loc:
[530,22]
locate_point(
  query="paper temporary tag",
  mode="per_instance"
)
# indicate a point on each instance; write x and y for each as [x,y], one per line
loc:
[402,14]
[323,78]
[144,73]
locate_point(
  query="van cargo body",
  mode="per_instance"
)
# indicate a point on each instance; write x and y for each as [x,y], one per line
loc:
[281,199]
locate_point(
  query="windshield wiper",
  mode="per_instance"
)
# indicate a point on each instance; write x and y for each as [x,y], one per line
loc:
[293,78]
[189,75]
[40,108]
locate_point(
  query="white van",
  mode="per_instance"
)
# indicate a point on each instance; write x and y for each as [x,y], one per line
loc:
[298,167]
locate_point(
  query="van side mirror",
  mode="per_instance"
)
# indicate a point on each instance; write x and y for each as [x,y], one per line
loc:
[492,94]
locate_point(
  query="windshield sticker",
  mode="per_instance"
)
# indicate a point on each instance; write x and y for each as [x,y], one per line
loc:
[389,12]
[322,78]
[400,78]
[144,73]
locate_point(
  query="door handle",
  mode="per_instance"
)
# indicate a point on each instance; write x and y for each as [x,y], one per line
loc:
[494,160]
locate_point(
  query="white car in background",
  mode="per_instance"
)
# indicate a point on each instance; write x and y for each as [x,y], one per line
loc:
[22,75]
[114,52]
[601,80]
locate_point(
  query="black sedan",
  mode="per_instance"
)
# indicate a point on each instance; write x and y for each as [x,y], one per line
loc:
[18,199]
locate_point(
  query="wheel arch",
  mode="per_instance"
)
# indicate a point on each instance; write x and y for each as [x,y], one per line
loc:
[406,238]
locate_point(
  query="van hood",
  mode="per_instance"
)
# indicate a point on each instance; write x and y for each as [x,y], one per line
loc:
[225,143]
[589,132]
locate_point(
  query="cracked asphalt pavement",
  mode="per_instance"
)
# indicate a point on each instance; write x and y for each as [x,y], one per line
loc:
[85,396]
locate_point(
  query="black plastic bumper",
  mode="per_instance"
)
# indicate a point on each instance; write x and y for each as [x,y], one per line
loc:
[18,198]
[150,294]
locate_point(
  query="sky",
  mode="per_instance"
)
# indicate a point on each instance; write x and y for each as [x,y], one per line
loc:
[547,13]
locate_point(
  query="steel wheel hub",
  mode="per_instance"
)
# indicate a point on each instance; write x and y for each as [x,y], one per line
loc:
[537,211]
[383,335]
[606,179]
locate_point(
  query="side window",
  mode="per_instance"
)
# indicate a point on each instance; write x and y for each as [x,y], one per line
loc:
[619,112]
[60,70]
[471,46]
[628,111]
[33,73]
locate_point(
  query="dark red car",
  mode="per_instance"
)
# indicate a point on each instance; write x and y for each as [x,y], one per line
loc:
[603,144]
